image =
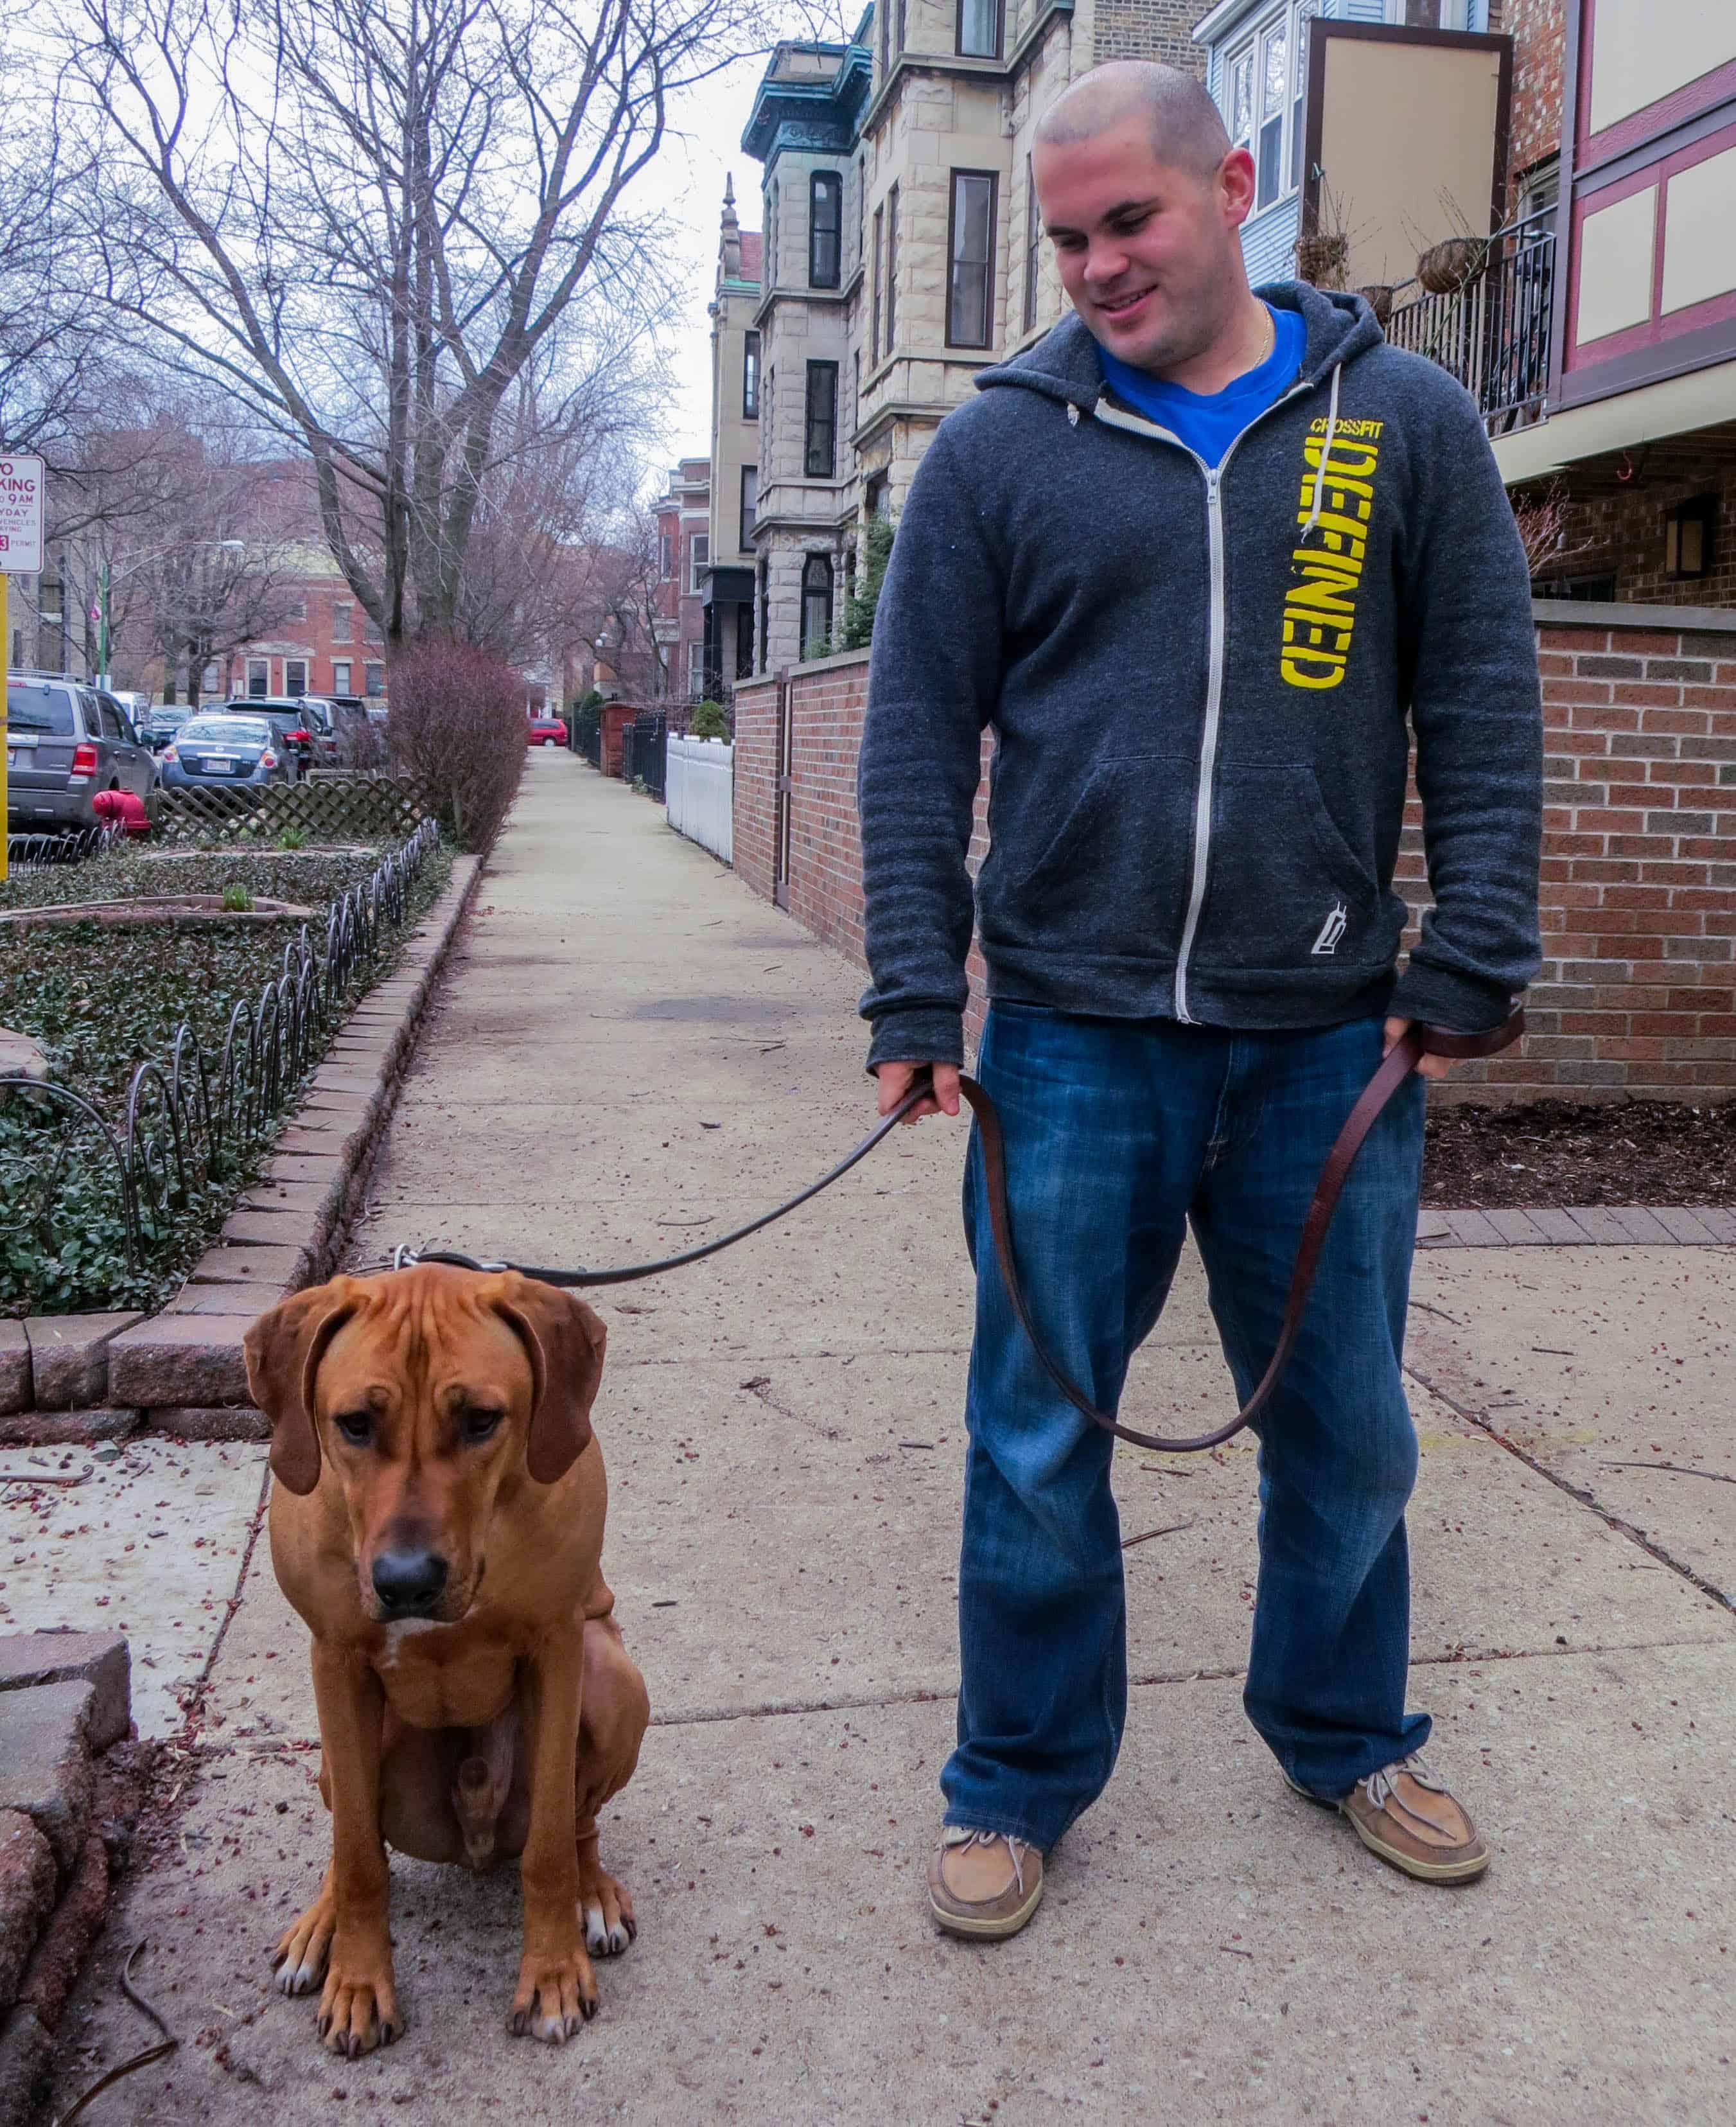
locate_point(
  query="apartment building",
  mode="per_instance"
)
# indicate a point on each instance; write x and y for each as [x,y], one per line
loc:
[683,514]
[727,599]
[899,255]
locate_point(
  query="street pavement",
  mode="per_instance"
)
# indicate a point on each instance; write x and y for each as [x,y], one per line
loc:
[631,1052]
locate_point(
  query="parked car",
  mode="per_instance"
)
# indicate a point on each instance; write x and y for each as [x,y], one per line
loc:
[544,731]
[288,716]
[64,742]
[210,749]
[162,724]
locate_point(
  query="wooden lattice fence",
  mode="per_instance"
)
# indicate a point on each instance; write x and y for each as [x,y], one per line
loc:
[332,806]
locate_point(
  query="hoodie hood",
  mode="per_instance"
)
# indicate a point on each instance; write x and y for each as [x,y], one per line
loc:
[1064,363]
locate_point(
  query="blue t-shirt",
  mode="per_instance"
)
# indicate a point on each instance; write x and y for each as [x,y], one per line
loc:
[1209,423]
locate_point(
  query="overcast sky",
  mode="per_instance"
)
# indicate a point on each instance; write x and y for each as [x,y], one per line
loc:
[688,179]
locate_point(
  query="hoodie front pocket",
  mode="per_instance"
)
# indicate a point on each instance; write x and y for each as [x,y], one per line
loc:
[1285,889]
[1108,878]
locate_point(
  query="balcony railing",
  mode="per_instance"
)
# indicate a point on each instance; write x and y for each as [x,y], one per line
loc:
[1493,334]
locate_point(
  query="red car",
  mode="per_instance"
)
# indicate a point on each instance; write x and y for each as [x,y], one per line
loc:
[544,731]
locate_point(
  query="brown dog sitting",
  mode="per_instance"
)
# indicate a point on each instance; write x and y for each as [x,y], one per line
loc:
[437,1521]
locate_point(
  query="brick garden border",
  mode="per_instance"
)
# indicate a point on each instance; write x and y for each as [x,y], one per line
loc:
[183,1371]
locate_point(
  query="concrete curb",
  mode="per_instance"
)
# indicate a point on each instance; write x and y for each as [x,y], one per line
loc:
[187,1364]
[1586,1225]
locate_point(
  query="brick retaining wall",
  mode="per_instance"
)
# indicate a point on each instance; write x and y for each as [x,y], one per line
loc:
[1639,897]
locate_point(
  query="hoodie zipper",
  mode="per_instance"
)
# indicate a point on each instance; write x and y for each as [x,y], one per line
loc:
[1204,788]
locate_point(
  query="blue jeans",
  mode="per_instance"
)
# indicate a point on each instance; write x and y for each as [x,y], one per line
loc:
[1118,1132]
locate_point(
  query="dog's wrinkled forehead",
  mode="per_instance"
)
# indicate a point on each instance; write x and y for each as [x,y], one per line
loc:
[423,1337]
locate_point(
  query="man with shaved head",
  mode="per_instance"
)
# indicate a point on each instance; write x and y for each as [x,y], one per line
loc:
[1208,560]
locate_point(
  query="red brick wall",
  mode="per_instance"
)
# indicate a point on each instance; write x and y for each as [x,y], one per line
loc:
[1539,31]
[755,780]
[1637,993]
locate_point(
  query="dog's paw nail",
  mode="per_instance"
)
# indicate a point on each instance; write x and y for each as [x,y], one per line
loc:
[618,1939]
[587,2009]
[515,2023]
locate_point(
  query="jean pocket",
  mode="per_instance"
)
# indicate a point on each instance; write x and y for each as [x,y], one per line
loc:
[1285,887]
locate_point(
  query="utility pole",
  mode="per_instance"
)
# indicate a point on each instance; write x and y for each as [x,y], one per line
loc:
[66,617]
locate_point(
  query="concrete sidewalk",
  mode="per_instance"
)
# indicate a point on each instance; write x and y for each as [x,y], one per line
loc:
[631,1052]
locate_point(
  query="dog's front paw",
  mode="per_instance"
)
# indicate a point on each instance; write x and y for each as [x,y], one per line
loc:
[607,1906]
[557,1992]
[358,2009]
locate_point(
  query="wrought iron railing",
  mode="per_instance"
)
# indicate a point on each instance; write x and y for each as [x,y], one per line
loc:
[1493,333]
[27,852]
[192,1119]
[644,753]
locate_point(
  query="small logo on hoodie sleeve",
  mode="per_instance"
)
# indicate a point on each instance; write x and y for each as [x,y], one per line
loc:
[1337,500]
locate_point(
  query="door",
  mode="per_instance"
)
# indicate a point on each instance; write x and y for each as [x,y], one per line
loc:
[128,763]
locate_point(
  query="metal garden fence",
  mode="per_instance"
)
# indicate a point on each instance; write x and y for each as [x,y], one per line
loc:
[644,753]
[190,1118]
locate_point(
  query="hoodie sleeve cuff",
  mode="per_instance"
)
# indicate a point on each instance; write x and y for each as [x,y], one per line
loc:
[1457,1003]
[925,1033]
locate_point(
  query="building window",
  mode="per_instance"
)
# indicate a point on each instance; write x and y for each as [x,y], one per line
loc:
[1264,87]
[820,453]
[824,229]
[295,677]
[900,29]
[297,608]
[885,38]
[699,559]
[696,671]
[979,29]
[971,246]
[666,555]
[342,616]
[750,504]
[765,615]
[891,268]
[259,678]
[373,681]
[856,389]
[371,631]
[816,604]
[874,319]
[750,379]
[1688,535]
[1033,245]
[341,677]
[743,641]
[861,181]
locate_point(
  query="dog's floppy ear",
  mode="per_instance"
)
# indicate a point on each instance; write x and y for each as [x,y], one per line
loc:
[564,1340]
[284,1348]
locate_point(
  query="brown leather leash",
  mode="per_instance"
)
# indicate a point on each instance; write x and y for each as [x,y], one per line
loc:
[1395,1066]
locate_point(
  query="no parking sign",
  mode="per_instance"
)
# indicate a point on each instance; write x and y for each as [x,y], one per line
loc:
[20,554]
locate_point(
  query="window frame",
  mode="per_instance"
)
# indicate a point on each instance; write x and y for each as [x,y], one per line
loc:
[819,372]
[956,179]
[698,557]
[750,506]
[1291,20]
[1032,246]
[960,49]
[343,620]
[891,270]
[262,667]
[750,352]
[666,556]
[290,664]
[345,666]
[825,185]
[813,646]
[373,680]
[874,308]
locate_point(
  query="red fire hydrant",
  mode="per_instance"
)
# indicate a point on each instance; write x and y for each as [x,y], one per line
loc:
[123,808]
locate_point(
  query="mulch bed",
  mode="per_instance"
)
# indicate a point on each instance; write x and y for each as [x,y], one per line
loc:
[1557,1153]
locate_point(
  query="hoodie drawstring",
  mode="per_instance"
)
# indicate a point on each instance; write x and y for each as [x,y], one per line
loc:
[1326,452]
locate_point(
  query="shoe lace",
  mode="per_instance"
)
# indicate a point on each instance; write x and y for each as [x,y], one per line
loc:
[1016,1848]
[1383,1787]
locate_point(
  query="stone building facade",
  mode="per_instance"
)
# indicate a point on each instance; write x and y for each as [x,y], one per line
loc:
[683,514]
[900,255]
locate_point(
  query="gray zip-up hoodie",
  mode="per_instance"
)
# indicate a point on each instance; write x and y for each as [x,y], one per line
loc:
[1198,681]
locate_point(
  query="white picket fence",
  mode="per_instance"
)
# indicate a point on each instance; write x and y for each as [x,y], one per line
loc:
[698,793]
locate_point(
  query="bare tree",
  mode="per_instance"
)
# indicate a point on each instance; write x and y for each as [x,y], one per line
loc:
[365,219]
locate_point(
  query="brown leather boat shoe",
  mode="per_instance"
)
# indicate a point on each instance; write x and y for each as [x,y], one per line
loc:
[983,1885]
[1406,1815]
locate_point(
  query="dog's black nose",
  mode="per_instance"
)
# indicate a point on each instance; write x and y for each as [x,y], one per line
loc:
[408,1582]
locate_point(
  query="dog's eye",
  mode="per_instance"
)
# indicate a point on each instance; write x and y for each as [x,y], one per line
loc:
[356,1426]
[480,1425]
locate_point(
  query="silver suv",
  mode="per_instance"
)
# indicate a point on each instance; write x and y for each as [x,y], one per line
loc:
[64,742]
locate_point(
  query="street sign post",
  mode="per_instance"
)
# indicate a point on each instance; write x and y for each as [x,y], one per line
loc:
[20,554]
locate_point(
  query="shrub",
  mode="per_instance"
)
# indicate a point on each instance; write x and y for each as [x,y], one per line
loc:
[710,721]
[293,838]
[857,630]
[458,725]
[237,901]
